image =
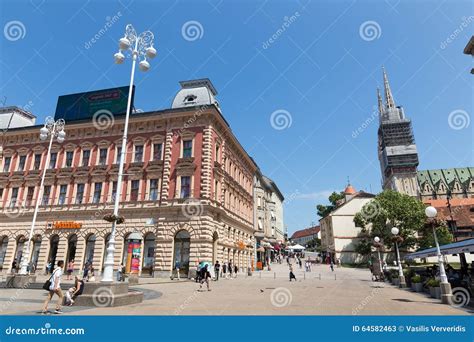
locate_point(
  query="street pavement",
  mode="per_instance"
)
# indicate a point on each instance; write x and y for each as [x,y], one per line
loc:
[346,291]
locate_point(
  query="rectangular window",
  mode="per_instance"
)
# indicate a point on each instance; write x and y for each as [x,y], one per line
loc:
[21,163]
[62,194]
[79,193]
[69,157]
[119,154]
[97,193]
[153,189]
[187,148]
[52,160]
[29,195]
[260,225]
[217,153]
[114,191]
[134,190]
[103,156]
[185,186]
[86,155]
[259,201]
[138,153]
[157,151]
[46,194]
[14,197]
[6,164]
[37,163]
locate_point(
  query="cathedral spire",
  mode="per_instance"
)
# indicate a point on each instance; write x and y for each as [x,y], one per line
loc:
[389,102]
[379,101]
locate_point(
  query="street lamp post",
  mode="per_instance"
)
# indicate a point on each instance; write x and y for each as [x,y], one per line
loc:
[53,129]
[139,46]
[377,245]
[397,238]
[446,293]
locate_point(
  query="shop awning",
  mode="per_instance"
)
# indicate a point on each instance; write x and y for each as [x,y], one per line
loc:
[296,247]
[465,246]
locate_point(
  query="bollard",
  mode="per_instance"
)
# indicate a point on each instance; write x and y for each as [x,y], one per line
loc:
[334,276]
[274,275]
[304,276]
[319,276]
[260,274]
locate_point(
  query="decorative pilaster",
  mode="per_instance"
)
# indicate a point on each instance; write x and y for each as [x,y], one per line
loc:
[167,166]
[206,168]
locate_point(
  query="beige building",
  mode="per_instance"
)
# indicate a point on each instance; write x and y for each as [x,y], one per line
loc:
[339,235]
[187,192]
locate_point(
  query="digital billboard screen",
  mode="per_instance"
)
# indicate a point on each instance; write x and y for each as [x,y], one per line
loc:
[82,106]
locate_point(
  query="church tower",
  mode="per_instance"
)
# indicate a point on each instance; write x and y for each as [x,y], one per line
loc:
[397,151]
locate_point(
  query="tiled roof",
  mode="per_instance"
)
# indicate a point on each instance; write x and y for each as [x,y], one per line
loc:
[462,213]
[305,232]
[447,176]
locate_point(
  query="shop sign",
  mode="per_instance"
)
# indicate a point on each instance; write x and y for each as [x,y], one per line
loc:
[66,225]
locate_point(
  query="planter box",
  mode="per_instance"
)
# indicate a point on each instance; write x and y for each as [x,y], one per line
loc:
[432,292]
[437,292]
[396,281]
[412,286]
[418,287]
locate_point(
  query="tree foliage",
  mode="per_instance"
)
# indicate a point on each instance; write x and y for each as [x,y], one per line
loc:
[324,210]
[392,209]
[443,234]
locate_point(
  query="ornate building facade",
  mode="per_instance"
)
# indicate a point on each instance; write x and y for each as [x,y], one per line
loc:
[187,193]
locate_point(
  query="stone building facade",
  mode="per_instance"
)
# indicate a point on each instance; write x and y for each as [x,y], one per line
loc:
[187,194]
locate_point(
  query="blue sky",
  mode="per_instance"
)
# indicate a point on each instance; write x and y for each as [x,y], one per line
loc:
[320,73]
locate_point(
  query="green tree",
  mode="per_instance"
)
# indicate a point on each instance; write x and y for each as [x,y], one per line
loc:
[324,210]
[443,234]
[389,209]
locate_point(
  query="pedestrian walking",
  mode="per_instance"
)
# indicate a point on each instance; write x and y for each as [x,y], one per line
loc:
[48,267]
[217,268]
[236,270]
[332,266]
[14,266]
[70,268]
[292,275]
[85,274]
[224,270]
[120,273]
[229,267]
[205,277]
[55,289]
[300,263]
[177,266]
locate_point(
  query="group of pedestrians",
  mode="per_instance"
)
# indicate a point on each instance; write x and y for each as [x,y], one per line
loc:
[226,270]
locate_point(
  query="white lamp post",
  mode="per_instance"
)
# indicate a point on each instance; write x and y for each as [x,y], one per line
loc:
[446,293]
[139,46]
[377,244]
[395,232]
[53,129]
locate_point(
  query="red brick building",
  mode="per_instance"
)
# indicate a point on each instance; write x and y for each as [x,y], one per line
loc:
[186,196]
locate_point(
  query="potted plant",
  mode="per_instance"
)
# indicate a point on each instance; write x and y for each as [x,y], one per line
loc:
[432,284]
[394,276]
[418,284]
[408,274]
